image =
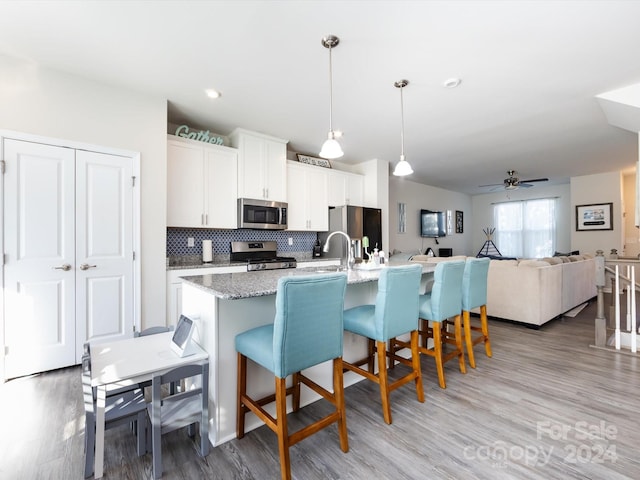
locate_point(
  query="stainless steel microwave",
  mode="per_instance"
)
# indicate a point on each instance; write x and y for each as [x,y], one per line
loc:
[262,214]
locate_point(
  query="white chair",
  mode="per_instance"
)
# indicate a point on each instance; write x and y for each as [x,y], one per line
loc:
[123,407]
[177,410]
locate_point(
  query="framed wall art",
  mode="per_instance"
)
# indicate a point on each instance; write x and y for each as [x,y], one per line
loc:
[459,222]
[402,217]
[319,162]
[598,216]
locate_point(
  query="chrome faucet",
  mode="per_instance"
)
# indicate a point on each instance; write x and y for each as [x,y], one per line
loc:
[350,260]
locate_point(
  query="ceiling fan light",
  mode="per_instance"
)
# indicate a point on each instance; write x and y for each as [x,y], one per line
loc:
[402,168]
[331,148]
[511,187]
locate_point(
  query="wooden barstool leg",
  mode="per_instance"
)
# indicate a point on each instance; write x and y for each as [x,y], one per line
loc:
[485,330]
[383,380]
[241,392]
[437,348]
[281,428]
[338,389]
[415,363]
[295,400]
[458,338]
[424,330]
[371,355]
[466,319]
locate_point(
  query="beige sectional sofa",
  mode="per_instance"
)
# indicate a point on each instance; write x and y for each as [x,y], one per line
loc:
[535,291]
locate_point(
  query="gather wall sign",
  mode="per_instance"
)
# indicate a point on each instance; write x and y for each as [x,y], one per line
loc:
[200,135]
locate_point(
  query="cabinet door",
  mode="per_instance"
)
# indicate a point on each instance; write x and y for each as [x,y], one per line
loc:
[297,218]
[307,193]
[336,189]
[221,189]
[251,167]
[185,186]
[317,205]
[354,189]
[345,188]
[262,165]
[275,168]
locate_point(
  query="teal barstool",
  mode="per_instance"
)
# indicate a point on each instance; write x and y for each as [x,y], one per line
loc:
[444,301]
[307,331]
[395,313]
[474,295]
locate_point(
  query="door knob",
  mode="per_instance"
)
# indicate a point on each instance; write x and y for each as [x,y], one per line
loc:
[66,267]
[85,266]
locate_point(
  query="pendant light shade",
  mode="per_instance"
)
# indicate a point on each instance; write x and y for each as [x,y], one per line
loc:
[402,168]
[331,148]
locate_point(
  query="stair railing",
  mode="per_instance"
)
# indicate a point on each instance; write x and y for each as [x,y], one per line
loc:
[624,284]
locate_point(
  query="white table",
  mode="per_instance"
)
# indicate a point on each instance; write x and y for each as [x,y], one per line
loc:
[130,361]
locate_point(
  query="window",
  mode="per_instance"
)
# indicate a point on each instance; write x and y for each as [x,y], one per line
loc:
[526,229]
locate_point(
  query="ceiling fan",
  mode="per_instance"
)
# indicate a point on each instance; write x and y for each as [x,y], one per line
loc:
[513,182]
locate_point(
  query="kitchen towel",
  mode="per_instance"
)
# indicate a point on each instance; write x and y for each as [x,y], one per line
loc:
[207,251]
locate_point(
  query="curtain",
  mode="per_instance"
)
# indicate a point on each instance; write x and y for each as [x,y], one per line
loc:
[526,229]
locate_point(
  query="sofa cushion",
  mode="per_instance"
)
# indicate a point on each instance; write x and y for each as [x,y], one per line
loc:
[533,263]
[552,260]
[503,263]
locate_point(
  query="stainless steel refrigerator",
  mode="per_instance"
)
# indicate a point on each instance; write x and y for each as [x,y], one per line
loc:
[357,222]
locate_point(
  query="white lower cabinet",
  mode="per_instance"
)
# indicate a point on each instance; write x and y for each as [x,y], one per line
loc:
[308,209]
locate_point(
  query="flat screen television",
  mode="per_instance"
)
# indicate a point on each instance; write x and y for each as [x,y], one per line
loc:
[432,224]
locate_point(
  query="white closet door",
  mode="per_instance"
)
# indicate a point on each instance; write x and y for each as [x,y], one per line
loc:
[104,247]
[39,270]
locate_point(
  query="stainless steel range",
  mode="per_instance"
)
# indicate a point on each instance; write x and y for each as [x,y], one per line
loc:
[260,256]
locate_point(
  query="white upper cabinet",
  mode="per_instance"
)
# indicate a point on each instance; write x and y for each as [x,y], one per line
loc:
[345,188]
[262,165]
[201,185]
[307,194]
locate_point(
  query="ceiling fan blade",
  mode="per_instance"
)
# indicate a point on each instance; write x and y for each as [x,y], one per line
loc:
[525,185]
[534,180]
[492,185]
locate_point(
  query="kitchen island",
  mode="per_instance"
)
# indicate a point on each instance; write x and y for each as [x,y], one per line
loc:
[224,305]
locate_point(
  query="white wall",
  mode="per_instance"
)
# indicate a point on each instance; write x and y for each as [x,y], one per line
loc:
[596,189]
[416,197]
[53,104]
[631,232]
[482,213]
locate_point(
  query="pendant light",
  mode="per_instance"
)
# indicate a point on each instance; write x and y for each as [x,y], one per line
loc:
[402,168]
[331,148]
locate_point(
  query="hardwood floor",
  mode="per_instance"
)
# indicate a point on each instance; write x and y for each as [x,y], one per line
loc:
[546,406]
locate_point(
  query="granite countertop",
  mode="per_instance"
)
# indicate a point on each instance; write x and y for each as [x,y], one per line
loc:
[184,263]
[234,286]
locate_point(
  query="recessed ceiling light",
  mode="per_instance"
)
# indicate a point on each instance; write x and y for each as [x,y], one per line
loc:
[211,93]
[451,83]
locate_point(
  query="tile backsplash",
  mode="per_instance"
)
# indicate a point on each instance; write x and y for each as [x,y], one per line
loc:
[177,240]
